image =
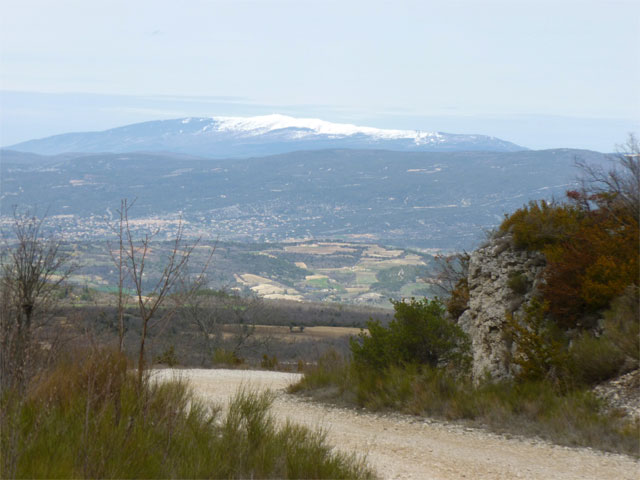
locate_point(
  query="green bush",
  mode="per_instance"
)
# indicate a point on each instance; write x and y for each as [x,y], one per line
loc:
[543,351]
[518,282]
[593,360]
[540,346]
[373,347]
[419,333]
[622,325]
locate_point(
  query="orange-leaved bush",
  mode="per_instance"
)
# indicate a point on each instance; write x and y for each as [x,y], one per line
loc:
[591,248]
[592,266]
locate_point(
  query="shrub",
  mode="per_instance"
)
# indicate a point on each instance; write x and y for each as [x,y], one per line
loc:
[594,360]
[91,418]
[226,357]
[586,272]
[518,282]
[544,352]
[269,363]
[540,224]
[332,369]
[621,326]
[540,346]
[374,347]
[419,333]
[458,302]
[168,357]
[592,254]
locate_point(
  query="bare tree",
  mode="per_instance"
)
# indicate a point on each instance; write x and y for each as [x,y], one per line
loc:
[215,313]
[451,280]
[448,271]
[153,297]
[244,313]
[33,267]
[118,256]
[618,185]
[203,312]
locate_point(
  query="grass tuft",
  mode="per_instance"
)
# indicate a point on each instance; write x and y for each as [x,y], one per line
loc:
[88,417]
[529,408]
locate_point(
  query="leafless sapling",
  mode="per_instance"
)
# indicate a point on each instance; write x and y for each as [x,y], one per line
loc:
[152,297]
[33,268]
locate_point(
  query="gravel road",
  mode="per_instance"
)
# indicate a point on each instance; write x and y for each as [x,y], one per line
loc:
[399,446]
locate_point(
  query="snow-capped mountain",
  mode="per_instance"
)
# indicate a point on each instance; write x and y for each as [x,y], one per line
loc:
[296,128]
[227,137]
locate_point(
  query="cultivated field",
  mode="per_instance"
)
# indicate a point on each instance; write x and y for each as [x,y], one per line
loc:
[302,271]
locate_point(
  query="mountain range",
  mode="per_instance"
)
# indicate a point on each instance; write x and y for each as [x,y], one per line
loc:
[236,137]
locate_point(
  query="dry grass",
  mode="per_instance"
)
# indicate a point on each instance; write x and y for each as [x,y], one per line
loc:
[575,418]
[285,334]
[320,248]
[88,417]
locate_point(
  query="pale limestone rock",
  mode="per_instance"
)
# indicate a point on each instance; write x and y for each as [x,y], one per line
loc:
[491,298]
[622,393]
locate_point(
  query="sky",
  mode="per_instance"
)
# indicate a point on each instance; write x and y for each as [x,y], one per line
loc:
[542,74]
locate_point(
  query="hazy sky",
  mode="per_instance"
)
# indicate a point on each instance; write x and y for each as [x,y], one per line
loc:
[543,74]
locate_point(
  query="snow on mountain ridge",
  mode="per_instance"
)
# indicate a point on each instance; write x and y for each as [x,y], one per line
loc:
[259,125]
[234,137]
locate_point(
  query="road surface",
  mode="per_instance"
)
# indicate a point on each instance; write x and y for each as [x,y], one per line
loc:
[399,446]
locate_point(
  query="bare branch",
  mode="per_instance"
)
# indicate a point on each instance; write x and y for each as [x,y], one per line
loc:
[151,298]
[617,188]
[33,267]
[449,270]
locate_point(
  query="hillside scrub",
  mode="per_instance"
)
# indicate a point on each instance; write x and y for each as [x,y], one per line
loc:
[590,242]
[575,359]
[533,408]
[583,328]
[89,417]
[591,253]
[580,330]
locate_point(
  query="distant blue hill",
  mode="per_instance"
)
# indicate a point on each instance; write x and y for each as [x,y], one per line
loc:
[234,137]
[409,199]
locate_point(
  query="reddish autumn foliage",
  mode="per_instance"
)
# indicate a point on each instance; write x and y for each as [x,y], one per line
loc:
[593,266]
[592,249]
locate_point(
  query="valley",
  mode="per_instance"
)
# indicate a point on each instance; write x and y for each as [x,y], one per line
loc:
[337,272]
[431,201]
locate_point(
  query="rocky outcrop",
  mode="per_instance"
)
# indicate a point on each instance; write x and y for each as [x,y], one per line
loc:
[501,280]
[622,393]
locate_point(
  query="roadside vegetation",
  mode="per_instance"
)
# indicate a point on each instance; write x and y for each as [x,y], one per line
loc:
[531,407]
[581,329]
[88,417]
[94,412]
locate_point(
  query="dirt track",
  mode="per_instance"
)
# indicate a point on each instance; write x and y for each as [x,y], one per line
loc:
[406,447]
